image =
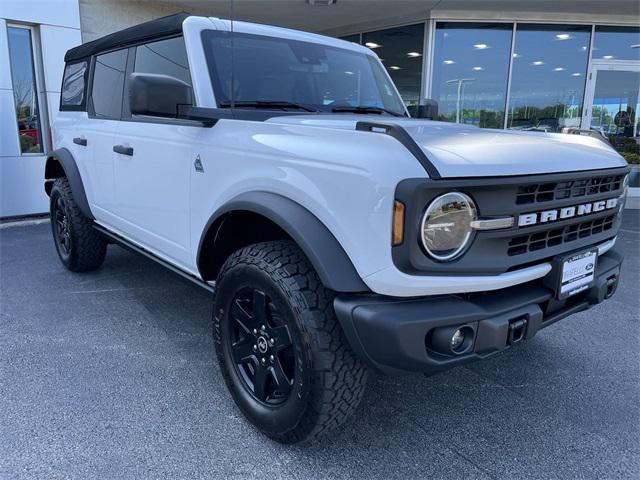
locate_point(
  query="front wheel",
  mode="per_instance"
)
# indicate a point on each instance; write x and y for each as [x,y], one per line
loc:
[281,350]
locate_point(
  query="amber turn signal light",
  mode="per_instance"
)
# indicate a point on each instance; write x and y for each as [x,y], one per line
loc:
[398,223]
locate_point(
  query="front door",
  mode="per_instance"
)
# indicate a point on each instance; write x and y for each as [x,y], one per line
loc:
[153,162]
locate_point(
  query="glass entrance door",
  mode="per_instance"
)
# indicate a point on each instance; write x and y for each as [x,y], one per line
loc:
[612,105]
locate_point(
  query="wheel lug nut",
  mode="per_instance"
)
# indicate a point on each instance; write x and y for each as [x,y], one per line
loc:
[271,358]
[272,342]
[255,348]
[263,328]
[263,360]
[255,332]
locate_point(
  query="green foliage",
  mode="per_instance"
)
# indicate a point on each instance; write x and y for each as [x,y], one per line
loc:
[28,144]
[631,158]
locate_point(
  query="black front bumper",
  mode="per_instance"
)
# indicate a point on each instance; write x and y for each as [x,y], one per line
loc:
[392,334]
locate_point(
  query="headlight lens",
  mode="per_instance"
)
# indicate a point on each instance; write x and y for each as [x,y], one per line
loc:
[622,199]
[446,226]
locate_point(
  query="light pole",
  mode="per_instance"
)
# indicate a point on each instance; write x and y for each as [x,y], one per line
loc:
[461,82]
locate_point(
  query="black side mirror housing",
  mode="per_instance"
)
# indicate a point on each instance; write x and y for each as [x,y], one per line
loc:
[428,110]
[158,95]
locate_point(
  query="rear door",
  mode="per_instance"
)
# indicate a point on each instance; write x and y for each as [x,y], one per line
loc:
[153,166]
[104,111]
[70,127]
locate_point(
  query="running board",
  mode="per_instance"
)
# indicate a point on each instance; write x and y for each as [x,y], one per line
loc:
[126,244]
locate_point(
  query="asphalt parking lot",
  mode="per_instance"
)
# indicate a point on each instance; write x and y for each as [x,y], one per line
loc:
[112,375]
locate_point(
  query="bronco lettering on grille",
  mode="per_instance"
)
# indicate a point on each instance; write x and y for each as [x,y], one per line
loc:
[545,216]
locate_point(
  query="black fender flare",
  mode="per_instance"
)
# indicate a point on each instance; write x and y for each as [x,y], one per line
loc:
[68,164]
[331,262]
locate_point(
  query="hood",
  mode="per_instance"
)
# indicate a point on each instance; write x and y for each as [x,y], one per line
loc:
[465,151]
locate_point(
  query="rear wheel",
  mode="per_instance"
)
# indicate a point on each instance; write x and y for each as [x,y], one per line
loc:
[80,247]
[281,350]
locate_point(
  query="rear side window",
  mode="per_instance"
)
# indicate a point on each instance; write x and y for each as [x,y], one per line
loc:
[74,82]
[108,83]
[166,57]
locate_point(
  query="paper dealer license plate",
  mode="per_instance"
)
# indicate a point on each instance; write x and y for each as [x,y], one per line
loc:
[578,273]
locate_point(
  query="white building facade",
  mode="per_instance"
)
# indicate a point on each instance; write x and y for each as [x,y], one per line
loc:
[34,36]
[521,64]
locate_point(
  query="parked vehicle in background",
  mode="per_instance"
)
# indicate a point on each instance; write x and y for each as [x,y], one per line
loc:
[280,170]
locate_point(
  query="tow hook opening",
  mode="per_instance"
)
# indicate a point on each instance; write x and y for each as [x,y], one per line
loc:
[612,282]
[517,330]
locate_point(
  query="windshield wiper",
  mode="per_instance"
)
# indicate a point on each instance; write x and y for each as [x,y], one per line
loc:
[283,104]
[365,109]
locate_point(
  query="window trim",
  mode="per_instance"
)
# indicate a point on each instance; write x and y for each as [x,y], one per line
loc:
[82,106]
[38,79]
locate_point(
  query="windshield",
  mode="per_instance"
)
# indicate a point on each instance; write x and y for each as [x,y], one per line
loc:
[290,74]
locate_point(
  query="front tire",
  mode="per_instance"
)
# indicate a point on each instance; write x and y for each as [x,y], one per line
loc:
[281,350]
[80,247]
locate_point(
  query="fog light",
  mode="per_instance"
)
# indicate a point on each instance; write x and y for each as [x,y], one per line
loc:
[454,340]
[457,339]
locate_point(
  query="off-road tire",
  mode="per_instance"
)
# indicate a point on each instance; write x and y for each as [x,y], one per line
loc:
[329,379]
[84,248]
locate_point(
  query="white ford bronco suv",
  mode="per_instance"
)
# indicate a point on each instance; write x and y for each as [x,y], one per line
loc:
[281,171]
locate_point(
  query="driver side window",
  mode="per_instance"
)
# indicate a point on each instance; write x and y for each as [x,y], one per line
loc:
[165,57]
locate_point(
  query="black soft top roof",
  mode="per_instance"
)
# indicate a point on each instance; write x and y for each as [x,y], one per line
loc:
[159,27]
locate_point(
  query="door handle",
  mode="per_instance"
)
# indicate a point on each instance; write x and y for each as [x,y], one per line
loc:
[80,141]
[121,149]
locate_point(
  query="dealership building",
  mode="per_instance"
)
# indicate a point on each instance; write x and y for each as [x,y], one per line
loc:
[553,66]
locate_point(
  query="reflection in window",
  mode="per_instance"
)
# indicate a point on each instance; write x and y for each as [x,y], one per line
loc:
[615,108]
[470,70]
[548,76]
[73,85]
[400,50]
[616,43]
[24,89]
[166,57]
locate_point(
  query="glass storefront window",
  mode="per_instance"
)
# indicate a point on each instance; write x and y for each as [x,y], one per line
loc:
[548,77]
[25,93]
[616,43]
[615,103]
[470,71]
[400,50]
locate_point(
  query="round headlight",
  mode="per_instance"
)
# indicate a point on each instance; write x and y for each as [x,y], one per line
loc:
[446,226]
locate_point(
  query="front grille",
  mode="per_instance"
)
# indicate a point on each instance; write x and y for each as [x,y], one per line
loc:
[558,236]
[549,191]
[510,249]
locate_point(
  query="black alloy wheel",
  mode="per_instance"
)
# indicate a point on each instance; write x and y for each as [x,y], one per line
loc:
[261,347]
[62,232]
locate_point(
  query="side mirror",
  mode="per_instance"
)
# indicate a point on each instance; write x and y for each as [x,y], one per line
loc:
[157,95]
[428,110]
